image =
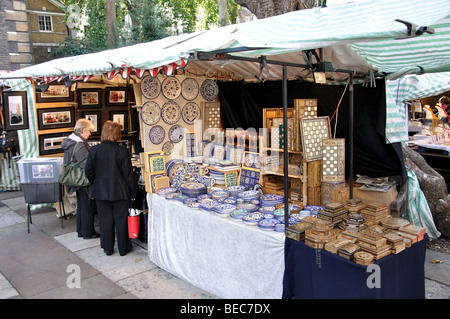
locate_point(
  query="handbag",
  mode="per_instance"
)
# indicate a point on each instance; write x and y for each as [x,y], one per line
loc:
[72,174]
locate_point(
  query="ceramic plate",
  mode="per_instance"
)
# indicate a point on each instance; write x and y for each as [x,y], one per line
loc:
[190,113]
[150,113]
[209,90]
[150,87]
[171,112]
[171,87]
[189,88]
[176,133]
[156,134]
[167,148]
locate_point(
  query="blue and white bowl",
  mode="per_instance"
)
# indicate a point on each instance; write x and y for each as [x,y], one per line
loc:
[235,190]
[249,195]
[238,214]
[250,207]
[252,219]
[166,190]
[267,223]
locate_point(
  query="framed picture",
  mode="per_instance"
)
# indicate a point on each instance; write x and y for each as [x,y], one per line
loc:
[116,96]
[51,143]
[56,92]
[89,98]
[57,117]
[95,117]
[15,110]
[120,117]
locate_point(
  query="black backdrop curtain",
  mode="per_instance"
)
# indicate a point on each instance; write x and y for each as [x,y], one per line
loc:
[242,104]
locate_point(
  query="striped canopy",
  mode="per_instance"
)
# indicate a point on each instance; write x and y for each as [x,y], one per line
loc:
[356,25]
[361,36]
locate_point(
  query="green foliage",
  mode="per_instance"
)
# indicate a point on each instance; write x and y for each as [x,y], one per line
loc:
[150,20]
[72,47]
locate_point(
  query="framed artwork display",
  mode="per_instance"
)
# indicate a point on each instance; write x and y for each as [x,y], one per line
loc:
[89,98]
[120,117]
[51,143]
[15,110]
[116,96]
[56,92]
[57,117]
[95,117]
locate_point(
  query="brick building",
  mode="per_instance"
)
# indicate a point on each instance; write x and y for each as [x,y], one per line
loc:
[29,31]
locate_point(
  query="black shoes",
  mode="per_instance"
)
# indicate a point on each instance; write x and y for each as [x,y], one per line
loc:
[95,235]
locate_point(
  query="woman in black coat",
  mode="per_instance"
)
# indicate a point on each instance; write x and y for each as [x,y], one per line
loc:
[76,149]
[110,172]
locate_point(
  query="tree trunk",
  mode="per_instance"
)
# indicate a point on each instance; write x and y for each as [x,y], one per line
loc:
[223,12]
[433,187]
[268,8]
[111,23]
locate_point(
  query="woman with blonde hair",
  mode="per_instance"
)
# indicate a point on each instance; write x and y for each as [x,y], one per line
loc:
[110,172]
[76,149]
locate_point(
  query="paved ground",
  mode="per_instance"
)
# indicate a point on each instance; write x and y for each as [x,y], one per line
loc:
[50,262]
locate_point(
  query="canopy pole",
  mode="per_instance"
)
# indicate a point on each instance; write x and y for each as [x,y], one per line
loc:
[286,154]
[351,135]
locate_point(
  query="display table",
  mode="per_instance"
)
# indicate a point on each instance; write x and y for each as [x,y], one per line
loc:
[224,257]
[313,273]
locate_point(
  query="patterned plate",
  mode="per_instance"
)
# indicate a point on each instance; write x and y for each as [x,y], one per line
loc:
[156,134]
[167,148]
[150,113]
[209,90]
[171,87]
[189,88]
[171,112]
[176,133]
[190,113]
[150,87]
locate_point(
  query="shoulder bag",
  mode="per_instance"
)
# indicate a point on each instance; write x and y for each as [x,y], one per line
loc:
[72,174]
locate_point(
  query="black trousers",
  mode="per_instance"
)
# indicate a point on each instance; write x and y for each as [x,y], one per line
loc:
[113,218]
[86,210]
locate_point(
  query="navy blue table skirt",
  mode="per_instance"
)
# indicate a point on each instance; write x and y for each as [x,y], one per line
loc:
[316,273]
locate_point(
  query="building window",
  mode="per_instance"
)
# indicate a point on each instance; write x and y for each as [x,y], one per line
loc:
[45,23]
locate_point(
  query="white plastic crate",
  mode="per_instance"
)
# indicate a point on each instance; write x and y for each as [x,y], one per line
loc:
[44,169]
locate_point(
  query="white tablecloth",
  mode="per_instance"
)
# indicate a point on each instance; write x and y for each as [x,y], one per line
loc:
[226,258]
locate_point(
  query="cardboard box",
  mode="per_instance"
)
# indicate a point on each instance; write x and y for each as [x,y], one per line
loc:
[380,197]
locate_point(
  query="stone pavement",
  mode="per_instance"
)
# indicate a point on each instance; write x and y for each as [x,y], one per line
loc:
[47,263]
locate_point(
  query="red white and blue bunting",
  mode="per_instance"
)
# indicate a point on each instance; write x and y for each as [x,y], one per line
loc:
[124,72]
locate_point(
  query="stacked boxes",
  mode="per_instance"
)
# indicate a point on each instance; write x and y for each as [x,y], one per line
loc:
[333,213]
[374,242]
[154,170]
[374,212]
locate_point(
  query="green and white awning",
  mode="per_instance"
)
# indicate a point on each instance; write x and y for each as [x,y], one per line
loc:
[357,36]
